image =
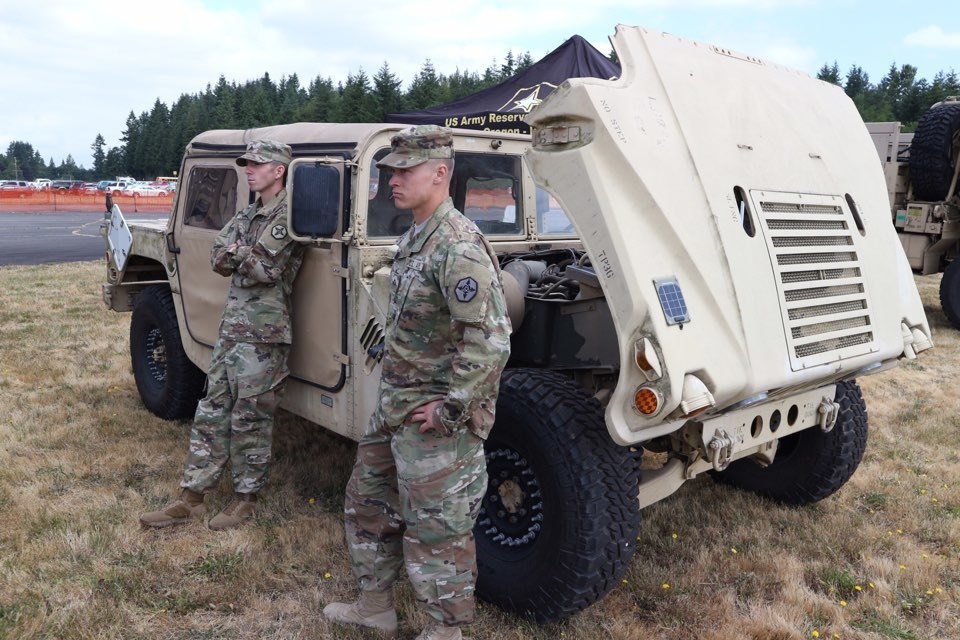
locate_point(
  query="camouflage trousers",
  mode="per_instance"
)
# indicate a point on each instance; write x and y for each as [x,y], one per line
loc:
[234,422]
[412,499]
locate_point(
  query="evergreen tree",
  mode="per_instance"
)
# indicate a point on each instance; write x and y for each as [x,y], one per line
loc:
[830,73]
[425,90]
[225,114]
[358,103]
[389,98]
[321,102]
[99,154]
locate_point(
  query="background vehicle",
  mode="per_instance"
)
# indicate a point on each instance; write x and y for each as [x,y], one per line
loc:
[697,284]
[66,185]
[921,171]
[144,189]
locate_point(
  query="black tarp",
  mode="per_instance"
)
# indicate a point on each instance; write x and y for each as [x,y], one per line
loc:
[502,107]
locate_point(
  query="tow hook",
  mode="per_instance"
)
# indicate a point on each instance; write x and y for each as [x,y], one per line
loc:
[828,411]
[720,450]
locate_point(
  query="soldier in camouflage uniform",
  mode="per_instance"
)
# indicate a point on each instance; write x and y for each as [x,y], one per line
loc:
[420,473]
[234,422]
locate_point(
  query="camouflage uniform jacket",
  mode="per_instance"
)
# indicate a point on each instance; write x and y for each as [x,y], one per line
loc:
[448,333]
[262,270]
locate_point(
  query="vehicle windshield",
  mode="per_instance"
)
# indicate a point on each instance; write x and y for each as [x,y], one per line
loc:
[485,187]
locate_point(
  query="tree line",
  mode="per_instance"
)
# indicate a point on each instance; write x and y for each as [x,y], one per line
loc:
[152,143]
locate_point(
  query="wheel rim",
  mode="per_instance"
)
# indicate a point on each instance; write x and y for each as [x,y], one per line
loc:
[511,514]
[156,350]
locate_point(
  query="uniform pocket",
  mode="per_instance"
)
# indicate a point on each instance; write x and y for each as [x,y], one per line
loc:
[444,505]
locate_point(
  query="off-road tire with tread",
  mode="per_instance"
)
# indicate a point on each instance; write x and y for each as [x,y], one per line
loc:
[932,152]
[950,293]
[810,465]
[170,385]
[559,521]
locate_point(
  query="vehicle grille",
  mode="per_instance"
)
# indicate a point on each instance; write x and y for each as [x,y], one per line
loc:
[823,298]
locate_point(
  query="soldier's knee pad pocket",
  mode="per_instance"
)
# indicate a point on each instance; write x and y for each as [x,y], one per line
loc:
[445,505]
[455,588]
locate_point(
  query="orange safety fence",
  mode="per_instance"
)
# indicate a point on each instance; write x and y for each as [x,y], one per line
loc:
[17,200]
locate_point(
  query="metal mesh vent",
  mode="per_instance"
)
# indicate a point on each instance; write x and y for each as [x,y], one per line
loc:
[822,225]
[823,298]
[827,327]
[816,241]
[822,292]
[822,274]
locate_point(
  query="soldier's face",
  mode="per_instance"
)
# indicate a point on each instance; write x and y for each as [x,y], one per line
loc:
[261,176]
[413,187]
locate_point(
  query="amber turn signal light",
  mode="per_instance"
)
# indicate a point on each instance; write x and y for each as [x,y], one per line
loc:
[646,401]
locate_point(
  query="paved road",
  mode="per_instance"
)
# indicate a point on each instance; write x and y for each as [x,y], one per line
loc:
[39,238]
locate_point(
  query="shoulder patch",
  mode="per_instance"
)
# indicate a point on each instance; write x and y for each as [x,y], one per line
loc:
[466,289]
[278,231]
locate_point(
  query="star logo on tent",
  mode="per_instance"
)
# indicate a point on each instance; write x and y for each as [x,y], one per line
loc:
[526,99]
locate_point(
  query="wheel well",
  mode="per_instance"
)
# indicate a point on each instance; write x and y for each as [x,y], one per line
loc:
[139,273]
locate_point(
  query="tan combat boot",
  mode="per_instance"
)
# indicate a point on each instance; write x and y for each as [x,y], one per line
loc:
[374,609]
[438,631]
[185,508]
[240,509]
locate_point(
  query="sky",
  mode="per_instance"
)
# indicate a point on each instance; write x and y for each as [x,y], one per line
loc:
[70,70]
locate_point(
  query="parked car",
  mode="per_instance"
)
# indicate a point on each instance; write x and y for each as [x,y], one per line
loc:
[10,185]
[41,183]
[116,187]
[89,188]
[66,185]
[144,189]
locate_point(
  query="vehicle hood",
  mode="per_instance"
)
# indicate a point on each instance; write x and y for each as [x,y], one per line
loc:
[737,217]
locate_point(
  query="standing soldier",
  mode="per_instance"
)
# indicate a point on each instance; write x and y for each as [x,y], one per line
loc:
[420,473]
[234,422]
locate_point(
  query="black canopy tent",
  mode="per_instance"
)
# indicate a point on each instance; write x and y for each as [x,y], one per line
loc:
[503,106]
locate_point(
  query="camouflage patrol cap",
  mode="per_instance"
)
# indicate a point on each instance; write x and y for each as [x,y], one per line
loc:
[418,144]
[262,151]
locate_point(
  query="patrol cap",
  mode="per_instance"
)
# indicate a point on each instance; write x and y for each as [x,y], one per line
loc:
[262,151]
[418,144]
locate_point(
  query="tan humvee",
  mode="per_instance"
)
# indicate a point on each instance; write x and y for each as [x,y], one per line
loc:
[922,170]
[699,264]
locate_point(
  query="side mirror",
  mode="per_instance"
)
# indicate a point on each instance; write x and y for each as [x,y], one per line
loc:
[315,201]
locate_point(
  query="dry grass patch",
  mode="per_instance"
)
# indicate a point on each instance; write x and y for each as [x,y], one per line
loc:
[80,459]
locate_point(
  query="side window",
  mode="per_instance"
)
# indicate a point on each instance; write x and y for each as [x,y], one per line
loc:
[211,197]
[487,190]
[551,218]
[485,187]
[384,220]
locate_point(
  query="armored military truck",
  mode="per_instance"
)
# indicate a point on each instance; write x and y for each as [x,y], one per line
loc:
[921,170]
[698,262]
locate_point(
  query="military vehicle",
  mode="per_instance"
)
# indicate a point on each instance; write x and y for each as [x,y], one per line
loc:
[921,171]
[698,262]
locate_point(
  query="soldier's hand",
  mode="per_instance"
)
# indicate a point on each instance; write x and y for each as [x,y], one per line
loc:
[427,415]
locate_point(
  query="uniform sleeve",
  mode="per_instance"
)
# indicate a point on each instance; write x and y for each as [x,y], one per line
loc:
[474,296]
[223,260]
[265,261]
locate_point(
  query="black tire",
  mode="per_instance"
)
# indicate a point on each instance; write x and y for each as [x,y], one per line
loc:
[566,532]
[950,293]
[170,385]
[810,465]
[933,152]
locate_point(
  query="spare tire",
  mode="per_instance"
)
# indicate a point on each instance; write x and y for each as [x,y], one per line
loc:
[933,152]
